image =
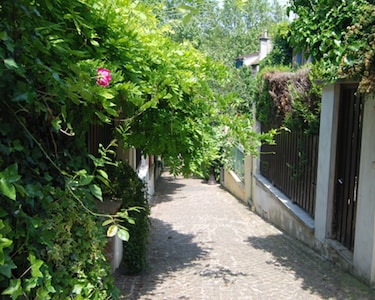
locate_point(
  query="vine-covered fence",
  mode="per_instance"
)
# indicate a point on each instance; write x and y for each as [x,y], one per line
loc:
[291,165]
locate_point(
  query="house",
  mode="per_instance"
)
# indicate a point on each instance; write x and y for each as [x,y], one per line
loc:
[252,60]
[342,226]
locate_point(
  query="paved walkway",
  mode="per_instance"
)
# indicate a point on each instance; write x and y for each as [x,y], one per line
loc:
[205,244]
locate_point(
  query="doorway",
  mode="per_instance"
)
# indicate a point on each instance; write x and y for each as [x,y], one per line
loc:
[347,165]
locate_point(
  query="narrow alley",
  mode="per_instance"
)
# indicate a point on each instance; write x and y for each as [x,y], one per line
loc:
[205,244]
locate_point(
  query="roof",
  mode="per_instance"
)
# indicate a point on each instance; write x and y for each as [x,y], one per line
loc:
[250,59]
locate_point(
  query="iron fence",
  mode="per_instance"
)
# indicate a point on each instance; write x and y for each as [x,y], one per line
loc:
[291,165]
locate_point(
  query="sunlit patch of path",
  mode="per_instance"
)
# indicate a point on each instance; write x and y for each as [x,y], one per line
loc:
[206,244]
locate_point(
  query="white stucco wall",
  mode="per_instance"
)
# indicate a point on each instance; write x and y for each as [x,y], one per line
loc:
[241,190]
[148,173]
[277,208]
[363,256]
[364,247]
[326,161]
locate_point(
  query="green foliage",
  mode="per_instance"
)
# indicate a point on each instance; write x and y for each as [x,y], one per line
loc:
[288,99]
[359,58]
[340,37]
[266,109]
[160,100]
[223,30]
[52,249]
[306,105]
[128,188]
[282,53]
[48,105]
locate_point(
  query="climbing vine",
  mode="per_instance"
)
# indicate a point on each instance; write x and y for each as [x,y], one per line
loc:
[339,35]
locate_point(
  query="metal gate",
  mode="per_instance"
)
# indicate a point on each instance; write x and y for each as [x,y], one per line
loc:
[347,165]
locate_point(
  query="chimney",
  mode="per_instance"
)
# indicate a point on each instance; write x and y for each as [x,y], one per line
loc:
[265,45]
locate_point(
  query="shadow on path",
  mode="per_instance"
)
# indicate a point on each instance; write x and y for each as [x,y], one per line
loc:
[201,240]
[319,277]
[166,189]
[169,252]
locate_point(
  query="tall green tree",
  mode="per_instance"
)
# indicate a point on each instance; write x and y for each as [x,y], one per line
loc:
[223,30]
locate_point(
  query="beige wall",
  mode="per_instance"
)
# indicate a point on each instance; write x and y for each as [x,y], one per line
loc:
[241,190]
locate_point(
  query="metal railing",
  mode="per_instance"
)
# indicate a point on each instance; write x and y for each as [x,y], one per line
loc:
[291,165]
[238,162]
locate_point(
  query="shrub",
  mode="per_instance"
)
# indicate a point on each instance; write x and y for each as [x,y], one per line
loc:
[127,186]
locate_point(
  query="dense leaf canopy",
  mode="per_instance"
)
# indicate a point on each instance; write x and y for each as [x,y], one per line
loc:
[339,35]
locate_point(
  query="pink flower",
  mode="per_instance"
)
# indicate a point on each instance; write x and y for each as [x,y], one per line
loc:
[103,77]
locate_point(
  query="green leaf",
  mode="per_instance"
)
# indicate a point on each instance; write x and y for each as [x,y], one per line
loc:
[14,289]
[7,189]
[187,18]
[56,124]
[85,180]
[4,243]
[10,63]
[96,191]
[35,266]
[3,36]
[103,117]
[42,293]
[6,269]
[103,174]
[111,111]
[107,222]
[123,234]
[77,289]
[17,146]
[11,173]
[131,221]
[112,230]
[94,43]
[30,283]
[87,95]
[107,94]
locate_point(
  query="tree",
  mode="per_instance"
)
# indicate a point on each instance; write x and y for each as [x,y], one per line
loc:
[225,31]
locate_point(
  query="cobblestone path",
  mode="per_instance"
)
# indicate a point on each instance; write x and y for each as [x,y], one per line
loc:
[205,244]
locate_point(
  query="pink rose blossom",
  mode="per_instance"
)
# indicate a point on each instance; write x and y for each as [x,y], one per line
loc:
[103,77]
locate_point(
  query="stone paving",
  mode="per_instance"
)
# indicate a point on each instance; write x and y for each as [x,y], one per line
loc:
[206,244]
